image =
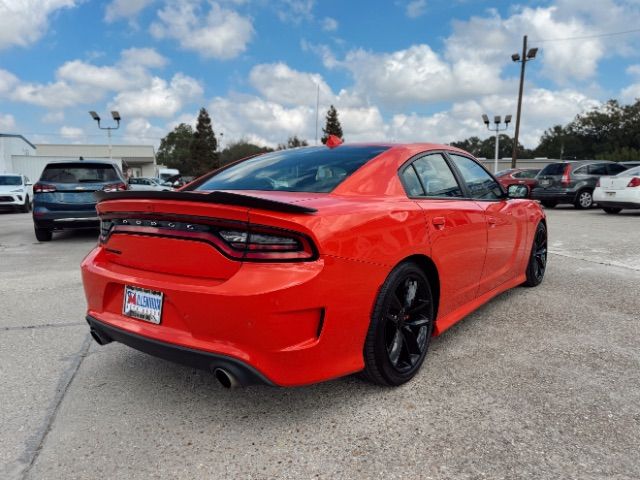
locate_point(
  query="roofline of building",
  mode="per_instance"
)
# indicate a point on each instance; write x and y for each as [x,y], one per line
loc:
[15,135]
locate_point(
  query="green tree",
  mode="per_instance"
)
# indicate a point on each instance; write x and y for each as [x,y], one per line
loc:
[332,126]
[204,146]
[293,142]
[239,150]
[175,148]
[487,148]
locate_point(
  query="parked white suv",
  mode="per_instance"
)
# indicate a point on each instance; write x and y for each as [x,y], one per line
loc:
[16,191]
[141,183]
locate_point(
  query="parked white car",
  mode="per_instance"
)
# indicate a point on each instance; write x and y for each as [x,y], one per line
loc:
[140,183]
[619,192]
[16,191]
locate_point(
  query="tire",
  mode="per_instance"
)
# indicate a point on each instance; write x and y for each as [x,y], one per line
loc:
[612,210]
[43,234]
[401,327]
[537,265]
[26,208]
[548,204]
[584,200]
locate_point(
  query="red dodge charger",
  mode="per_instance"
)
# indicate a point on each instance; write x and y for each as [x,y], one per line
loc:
[308,264]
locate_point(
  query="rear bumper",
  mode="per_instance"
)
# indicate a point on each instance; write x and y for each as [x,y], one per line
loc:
[58,220]
[243,373]
[559,196]
[626,205]
[296,324]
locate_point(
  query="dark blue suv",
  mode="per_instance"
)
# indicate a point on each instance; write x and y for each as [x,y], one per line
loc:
[64,196]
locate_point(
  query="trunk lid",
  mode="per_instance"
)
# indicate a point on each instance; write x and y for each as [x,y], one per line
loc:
[614,183]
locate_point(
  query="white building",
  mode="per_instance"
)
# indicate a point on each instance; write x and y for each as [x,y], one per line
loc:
[11,146]
[18,155]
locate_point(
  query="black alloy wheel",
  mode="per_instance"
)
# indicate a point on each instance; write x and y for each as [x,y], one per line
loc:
[538,260]
[401,327]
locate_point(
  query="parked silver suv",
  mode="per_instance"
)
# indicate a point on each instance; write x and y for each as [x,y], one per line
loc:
[572,182]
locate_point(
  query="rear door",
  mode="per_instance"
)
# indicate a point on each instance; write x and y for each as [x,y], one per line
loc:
[505,222]
[457,228]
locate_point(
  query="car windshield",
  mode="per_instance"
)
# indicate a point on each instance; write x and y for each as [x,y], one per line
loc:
[312,169]
[632,172]
[75,173]
[12,180]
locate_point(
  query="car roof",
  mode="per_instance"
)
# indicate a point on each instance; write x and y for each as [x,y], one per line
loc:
[82,162]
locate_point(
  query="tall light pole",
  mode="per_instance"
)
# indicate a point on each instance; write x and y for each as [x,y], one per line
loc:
[497,121]
[317,108]
[116,117]
[527,56]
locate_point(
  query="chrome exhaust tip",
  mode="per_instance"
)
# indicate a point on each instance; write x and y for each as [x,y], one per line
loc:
[226,379]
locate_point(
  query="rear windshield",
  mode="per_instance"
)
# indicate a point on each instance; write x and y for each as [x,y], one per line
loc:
[553,169]
[75,173]
[10,180]
[313,169]
[632,172]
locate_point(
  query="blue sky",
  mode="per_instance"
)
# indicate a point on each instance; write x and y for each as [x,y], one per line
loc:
[403,70]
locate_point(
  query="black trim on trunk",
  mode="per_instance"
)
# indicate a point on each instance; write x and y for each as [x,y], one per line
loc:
[225,198]
[243,373]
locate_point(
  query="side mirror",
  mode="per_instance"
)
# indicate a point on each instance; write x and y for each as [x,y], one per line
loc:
[28,184]
[517,191]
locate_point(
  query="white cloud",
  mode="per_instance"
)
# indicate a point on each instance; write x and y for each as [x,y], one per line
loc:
[159,99]
[279,83]
[220,33]
[23,22]
[7,122]
[125,9]
[56,94]
[140,130]
[329,24]
[72,133]
[416,8]
[142,57]
[7,81]
[294,11]
[329,60]
[419,74]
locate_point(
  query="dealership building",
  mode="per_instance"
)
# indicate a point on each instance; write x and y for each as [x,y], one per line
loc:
[19,155]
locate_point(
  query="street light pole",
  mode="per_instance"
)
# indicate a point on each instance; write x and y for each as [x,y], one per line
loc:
[497,121]
[317,108]
[116,116]
[527,56]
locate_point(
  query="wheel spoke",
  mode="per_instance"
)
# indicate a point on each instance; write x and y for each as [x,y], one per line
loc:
[410,341]
[418,322]
[395,348]
[421,305]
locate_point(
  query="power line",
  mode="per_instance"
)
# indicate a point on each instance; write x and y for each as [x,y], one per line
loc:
[585,37]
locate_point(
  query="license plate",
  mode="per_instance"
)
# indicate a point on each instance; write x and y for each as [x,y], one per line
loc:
[545,182]
[611,194]
[142,304]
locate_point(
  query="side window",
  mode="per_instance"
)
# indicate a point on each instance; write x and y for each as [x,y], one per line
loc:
[411,182]
[437,177]
[479,182]
[518,175]
[597,169]
[134,181]
[615,168]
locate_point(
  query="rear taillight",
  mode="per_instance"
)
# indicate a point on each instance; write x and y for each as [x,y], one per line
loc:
[566,179]
[43,188]
[236,240]
[635,182]
[115,187]
[263,243]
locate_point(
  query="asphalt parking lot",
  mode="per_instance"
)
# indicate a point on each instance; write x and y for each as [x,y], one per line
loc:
[539,383]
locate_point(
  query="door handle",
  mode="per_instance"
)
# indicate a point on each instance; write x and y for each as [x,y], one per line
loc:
[491,221]
[438,222]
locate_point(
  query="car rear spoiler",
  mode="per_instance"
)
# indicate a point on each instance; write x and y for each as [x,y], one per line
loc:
[225,198]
